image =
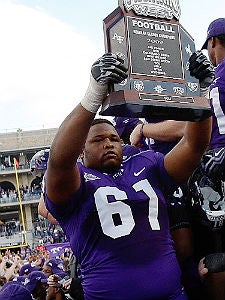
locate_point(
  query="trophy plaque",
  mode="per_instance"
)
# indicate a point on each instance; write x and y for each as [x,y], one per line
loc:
[156,50]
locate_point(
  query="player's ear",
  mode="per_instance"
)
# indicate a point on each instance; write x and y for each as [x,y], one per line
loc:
[57,290]
[213,41]
[82,154]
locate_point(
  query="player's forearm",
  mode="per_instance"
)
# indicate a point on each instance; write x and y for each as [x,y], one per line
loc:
[186,155]
[167,131]
[42,211]
[62,175]
[69,141]
[197,135]
[70,138]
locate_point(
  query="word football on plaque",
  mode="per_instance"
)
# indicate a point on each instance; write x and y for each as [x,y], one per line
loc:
[156,50]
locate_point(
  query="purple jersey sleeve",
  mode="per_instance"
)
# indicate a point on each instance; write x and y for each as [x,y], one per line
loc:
[119,231]
[217,102]
[129,150]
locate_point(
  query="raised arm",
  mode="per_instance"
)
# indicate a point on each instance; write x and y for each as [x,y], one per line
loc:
[42,211]
[166,131]
[181,161]
[62,176]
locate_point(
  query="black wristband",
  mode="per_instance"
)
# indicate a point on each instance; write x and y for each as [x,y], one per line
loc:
[141,130]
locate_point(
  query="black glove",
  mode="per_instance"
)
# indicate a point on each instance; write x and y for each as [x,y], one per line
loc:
[201,68]
[109,69]
[213,164]
[215,262]
[76,289]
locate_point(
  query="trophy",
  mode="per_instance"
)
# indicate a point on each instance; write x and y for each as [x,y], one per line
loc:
[156,50]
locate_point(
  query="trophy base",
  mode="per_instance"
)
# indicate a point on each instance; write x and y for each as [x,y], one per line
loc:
[129,103]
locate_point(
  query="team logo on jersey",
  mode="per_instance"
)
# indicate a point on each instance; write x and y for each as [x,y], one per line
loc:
[215,80]
[126,121]
[90,177]
[26,281]
[118,174]
[159,9]
[139,172]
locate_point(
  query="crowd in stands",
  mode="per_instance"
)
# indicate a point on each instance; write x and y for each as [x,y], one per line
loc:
[49,234]
[5,166]
[9,228]
[26,193]
[32,274]
[46,232]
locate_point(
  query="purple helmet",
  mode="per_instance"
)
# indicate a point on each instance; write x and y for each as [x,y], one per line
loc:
[38,163]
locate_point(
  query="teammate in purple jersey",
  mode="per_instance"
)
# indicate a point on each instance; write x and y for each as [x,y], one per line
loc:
[163,136]
[113,210]
[207,182]
[217,93]
[38,166]
[215,45]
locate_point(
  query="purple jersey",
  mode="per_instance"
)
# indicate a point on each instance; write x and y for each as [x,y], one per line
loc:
[162,147]
[217,102]
[129,150]
[119,231]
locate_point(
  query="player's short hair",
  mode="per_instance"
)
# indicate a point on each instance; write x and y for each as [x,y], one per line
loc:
[221,38]
[101,121]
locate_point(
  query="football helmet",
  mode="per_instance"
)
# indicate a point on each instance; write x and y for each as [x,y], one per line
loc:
[38,163]
[207,198]
[213,163]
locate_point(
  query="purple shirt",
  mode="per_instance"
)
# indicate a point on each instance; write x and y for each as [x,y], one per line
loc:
[217,102]
[119,231]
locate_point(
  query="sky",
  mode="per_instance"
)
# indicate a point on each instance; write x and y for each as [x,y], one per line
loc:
[47,48]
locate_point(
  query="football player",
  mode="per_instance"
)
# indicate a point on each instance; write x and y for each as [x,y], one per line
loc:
[114,211]
[207,183]
[38,166]
[162,137]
